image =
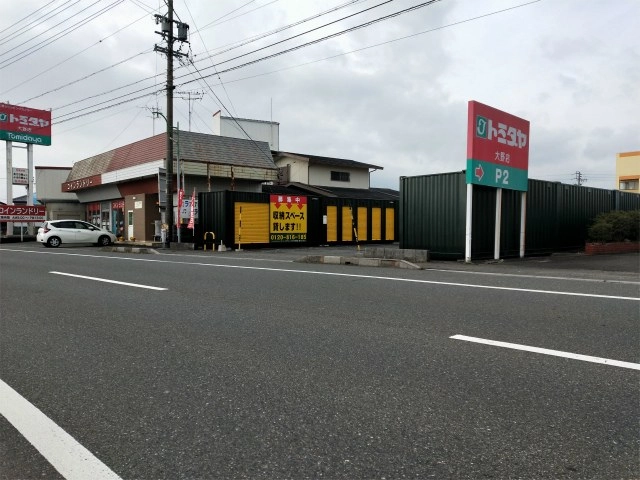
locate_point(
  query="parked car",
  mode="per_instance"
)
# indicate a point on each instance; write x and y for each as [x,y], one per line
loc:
[53,233]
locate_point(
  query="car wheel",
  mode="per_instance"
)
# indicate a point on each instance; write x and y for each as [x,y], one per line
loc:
[104,241]
[53,242]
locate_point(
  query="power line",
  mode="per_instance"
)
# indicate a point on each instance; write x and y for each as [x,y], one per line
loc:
[22,55]
[221,83]
[157,75]
[280,29]
[262,152]
[29,26]
[271,56]
[319,40]
[88,76]
[242,14]
[333,22]
[227,14]
[24,82]
[31,15]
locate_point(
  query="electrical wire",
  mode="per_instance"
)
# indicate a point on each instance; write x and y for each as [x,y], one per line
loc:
[227,14]
[331,23]
[203,43]
[24,82]
[202,77]
[318,40]
[31,15]
[243,14]
[28,27]
[255,38]
[88,76]
[22,55]
[179,68]
[232,117]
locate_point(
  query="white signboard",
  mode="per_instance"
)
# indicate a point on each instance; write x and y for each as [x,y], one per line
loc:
[21,176]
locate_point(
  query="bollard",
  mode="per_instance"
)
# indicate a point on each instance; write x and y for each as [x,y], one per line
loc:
[213,238]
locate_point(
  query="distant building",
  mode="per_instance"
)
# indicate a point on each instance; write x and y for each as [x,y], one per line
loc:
[628,172]
[323,171]
[259,130]
[49,192]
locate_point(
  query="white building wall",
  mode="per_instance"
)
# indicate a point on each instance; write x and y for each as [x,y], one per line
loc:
[320,175]
[49,185]
[257,129]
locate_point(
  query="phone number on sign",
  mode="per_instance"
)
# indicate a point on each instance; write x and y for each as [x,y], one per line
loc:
[291,237]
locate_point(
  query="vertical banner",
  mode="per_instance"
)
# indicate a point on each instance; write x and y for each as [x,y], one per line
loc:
[288,215]
[180,202]
[192,211]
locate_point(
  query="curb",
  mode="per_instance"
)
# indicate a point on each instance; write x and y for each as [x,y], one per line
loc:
[130,250]
[360,261]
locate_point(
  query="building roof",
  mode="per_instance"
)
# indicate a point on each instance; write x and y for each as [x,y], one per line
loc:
[194,147]
[336,162]
[295,188]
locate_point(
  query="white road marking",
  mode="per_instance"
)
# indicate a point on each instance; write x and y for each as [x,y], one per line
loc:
[315,272]
[137,285]
[546,277]
[72,460]
[546,351]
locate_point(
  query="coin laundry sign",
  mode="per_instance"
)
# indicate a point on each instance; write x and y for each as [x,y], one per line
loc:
[497,148]
[22,213]
[25,125]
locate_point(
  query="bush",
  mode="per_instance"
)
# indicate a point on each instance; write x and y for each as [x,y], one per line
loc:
[616,226]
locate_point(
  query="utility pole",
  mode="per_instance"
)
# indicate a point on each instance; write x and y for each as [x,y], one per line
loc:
[166,32]
[196,96]
[580,179]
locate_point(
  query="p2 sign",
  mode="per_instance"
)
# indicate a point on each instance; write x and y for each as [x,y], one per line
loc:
[497,148]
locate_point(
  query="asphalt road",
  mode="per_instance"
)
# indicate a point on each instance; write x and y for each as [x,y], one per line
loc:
[251,366]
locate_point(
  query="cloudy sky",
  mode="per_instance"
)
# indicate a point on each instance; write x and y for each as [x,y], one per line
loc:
[393,93]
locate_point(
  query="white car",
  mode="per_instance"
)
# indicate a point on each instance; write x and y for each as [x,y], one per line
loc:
[53,233]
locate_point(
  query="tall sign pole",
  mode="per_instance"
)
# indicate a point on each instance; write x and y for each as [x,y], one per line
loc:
[23,125]
[497,156]
[167,34]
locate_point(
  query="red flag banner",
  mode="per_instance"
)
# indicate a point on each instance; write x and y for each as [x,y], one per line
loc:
[192,211]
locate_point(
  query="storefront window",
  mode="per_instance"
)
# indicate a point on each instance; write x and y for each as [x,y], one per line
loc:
[93,213]
[105,218]
[117,215]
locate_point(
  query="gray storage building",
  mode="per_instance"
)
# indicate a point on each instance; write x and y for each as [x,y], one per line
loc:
[433,212]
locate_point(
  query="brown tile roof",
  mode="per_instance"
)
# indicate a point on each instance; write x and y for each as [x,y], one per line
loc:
[196,147]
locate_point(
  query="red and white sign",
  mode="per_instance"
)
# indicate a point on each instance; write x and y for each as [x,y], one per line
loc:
[497,137]
[192,211]
[25,125]
[180,202]
[23,213]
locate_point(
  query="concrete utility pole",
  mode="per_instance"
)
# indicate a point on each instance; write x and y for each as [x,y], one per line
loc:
[166,23]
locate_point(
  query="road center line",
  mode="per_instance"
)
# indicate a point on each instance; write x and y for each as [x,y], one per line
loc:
[546,351]
[72,460]
[149,287]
